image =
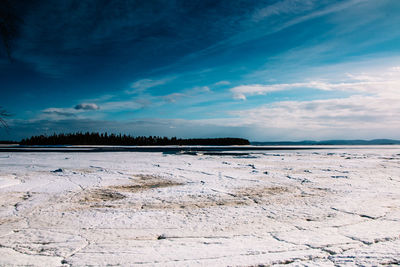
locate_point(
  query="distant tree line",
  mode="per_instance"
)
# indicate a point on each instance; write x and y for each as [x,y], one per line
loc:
[125,140]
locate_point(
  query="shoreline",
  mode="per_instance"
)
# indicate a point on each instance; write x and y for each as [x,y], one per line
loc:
[217,150]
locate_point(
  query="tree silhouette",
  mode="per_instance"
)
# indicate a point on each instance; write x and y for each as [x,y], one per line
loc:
[3,115]
[9,23]
[126,140]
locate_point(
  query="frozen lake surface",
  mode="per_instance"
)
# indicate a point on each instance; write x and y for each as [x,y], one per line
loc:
[322,207]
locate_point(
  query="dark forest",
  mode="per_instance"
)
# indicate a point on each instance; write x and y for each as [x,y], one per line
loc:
[126,140]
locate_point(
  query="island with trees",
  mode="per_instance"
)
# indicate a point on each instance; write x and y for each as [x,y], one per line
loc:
[126,140]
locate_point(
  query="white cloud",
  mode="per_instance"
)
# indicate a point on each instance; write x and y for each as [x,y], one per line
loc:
[240,92]
[371,111]
[79,111]
[355,117]
[58,113]
[383,83]
[82,111]
[356,112]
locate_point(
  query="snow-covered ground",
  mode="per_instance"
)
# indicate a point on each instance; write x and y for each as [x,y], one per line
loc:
[318,207]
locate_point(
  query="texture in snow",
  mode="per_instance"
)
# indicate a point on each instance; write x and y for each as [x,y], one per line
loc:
[323,207]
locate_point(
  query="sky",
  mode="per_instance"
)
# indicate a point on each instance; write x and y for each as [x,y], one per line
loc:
[262,70]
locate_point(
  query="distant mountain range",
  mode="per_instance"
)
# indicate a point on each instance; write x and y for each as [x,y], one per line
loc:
[329,142]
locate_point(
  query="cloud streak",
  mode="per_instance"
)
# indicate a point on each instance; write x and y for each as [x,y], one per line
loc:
[142,85]
[283,7]
[339,118]
[355,112]
[385,83]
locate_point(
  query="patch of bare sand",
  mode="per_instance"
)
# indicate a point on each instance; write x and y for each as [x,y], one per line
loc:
[263,191]
[282,195]
[184,203]
[108,197]
[101,195]
[267,192]
[145,182]
[191,202]
[118,196]
[13,199]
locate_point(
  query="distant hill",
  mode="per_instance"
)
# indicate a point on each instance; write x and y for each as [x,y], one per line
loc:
[329,142]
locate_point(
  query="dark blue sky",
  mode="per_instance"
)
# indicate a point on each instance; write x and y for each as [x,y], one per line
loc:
[264,70]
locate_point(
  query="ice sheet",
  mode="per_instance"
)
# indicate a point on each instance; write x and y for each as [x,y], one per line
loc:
[318,208]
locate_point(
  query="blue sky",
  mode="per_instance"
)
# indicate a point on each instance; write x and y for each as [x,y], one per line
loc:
[263,70]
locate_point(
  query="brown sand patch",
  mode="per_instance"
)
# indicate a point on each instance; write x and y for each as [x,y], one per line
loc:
[115,192]
[14,199]
[10,198]
[266,195]
[282,195]
[145,182]
[104,199]
[182,204]
[101,195]
[281,191]
[196,202]
[10,220]
[107,197]
[263,191]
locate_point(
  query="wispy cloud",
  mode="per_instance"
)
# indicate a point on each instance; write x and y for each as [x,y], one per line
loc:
[60,112]
[122,105]
[371,107]
[142,85]
[198,90]
[355,112]
[79,111]
[220,83]
[315,14]
[343,118]
[242,91]
[283,7]
[172,98]
[191,92]
[385,83]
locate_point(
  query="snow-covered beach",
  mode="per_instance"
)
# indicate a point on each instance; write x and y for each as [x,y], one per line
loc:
[338,206]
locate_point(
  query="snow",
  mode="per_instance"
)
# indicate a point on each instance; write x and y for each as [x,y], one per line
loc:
[326,207]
